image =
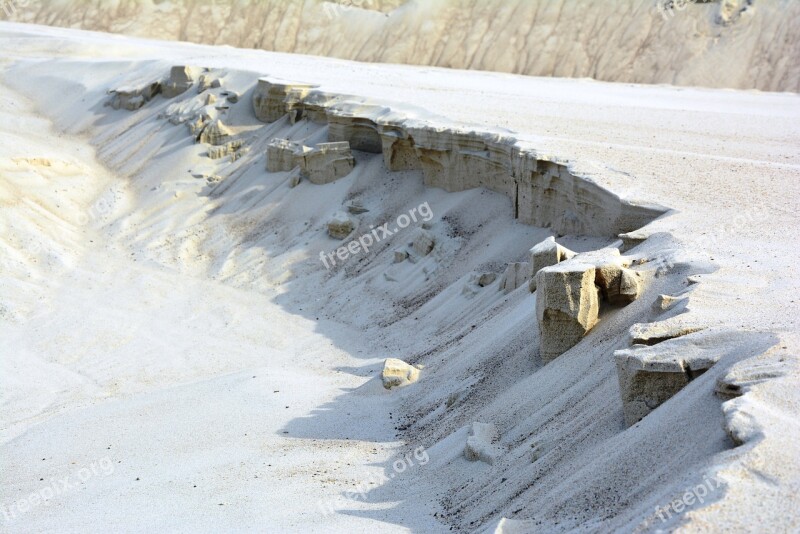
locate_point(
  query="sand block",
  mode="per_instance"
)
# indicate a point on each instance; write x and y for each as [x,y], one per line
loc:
[545,254]
[397,373]
[340,226]
[617,283]
[485,279]
[423,242]
[327,162]
[181,78]
[134,97]
[272,99]
[479,445]
[359,131]
[650,375]
[284,155]
[567,306]
[231,148]
[516,275]
[216,133]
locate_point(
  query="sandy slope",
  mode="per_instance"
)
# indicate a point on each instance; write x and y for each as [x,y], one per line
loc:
[746,44]
[151,320]
[184,393]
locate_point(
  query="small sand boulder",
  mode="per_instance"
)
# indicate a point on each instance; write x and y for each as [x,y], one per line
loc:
[400,256]
[284,155]
[545,254]
[198,124]
[181,78]
[629,288]
[516,275]
[617,283]
[650,375]
[479,445]
[327,162]
[134,97]
[485,279]
[204,82]
[231,148]
[216,133]
[397,373]
[666,302]
[423,242]
[340,226]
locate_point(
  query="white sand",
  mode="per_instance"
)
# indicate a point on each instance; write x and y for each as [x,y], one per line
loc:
[149,319]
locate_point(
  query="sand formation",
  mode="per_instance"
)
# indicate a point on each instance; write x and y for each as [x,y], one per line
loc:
[544,192]
[480,446]
[683,310]
[323,164]
[397,373]
[572,289]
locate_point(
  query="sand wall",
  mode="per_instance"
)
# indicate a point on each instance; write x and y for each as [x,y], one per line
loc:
[730,43]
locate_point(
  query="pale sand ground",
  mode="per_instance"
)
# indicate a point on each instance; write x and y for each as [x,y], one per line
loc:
[134,334]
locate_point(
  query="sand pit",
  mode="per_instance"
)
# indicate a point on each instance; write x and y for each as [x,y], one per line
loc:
[191,346]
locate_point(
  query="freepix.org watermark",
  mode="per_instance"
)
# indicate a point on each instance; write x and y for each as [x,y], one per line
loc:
[691,496]
[56,487]
[422,213]
[418,457]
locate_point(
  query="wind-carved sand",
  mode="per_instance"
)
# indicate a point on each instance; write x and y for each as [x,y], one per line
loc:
[546,338]
[543,191]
